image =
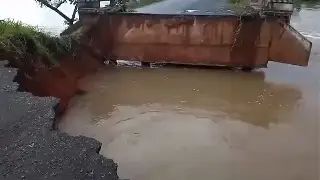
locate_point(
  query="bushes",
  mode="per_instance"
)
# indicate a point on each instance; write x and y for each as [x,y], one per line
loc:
[24,41]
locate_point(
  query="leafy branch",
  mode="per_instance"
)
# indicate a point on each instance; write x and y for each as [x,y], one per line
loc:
[55,4]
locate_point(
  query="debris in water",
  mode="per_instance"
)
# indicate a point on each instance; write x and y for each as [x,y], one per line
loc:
[178,108]
[191,10]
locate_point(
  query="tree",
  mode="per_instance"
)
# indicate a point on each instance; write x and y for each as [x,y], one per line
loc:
[55,4]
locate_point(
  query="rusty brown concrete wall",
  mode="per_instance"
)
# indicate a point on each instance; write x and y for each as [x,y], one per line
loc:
[288,45]
[197,40]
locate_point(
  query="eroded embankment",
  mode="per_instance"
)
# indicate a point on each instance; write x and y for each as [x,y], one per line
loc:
[48,65]
[60,80]
[29,149]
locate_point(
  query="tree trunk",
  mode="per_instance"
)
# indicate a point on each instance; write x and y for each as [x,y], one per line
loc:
[44,2]
[74,14]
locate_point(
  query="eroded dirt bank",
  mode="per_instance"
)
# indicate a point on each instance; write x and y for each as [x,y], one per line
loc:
[60,80]
[32,95]
[29,149]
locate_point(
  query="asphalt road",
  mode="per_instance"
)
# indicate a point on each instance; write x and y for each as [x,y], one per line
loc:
[188,6]
[31,149]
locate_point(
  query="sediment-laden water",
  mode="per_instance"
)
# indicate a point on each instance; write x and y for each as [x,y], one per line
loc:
[177,123]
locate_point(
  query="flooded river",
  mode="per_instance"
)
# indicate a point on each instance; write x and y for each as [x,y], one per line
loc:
[180,124]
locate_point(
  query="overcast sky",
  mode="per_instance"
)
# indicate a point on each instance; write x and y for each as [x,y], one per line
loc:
[29,12]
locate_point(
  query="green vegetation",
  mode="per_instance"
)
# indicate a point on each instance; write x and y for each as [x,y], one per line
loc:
[54,5]
[27,42]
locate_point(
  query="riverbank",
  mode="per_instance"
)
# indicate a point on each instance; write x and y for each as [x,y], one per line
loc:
[39,72]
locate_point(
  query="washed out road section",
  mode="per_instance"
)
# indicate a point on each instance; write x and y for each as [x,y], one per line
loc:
[31,149]
[174,123]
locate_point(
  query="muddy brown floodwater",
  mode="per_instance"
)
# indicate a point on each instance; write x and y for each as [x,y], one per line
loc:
[175,123]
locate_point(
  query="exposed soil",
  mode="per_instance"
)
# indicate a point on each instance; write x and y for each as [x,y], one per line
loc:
[60,80]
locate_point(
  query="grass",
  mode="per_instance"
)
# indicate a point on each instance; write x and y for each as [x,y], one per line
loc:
[22,41]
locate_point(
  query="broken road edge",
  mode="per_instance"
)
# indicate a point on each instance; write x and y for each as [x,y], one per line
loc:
[30,146]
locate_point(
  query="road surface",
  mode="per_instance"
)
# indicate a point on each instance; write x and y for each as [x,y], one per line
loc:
[187,6]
